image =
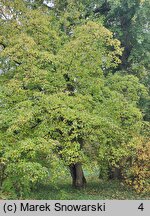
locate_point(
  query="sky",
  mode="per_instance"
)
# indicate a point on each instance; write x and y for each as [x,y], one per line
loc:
[48,3]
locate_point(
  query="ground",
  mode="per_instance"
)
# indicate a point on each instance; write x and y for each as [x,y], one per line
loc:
[96,190]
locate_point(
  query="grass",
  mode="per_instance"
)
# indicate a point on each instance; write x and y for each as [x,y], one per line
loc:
[95,190]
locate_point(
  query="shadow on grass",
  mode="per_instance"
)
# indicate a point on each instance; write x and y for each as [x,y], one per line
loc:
[96,190]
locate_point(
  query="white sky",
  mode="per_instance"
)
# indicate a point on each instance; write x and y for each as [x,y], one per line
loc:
[48,3]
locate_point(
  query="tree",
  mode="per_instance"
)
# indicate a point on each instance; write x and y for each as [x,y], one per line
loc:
[59,101]
[129,21]
[29,42]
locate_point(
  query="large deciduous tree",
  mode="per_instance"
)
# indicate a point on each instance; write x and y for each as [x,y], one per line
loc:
[59,101]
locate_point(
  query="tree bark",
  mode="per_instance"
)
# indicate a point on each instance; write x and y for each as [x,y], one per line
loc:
[73,173]
[78,178]
[115,173]
[128,39]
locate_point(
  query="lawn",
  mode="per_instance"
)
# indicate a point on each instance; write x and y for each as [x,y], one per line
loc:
[96,190]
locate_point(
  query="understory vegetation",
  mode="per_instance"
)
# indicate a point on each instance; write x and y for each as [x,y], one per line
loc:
[96,190]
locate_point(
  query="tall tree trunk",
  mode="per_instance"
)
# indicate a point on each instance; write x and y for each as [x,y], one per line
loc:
[115,173]
[73,173]
[128,39]
[127,44]
[78,178]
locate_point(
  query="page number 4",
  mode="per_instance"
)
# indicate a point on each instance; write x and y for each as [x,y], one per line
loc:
[141,207]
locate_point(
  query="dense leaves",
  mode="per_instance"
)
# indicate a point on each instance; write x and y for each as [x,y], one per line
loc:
[62,99]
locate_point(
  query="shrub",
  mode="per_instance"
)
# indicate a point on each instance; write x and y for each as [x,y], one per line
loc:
[137,172]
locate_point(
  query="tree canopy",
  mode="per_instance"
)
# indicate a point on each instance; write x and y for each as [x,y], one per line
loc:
[73,90]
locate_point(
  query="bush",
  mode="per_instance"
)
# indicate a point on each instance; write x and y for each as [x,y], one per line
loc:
[22,176]
[136,173]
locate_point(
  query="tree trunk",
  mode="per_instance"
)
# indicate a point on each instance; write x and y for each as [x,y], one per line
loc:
[73,173]
[128,45]
[127,39]
[78,178]
[115,173]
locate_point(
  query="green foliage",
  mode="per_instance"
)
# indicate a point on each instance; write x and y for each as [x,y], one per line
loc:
[23,176]
[137,170]
[60,103]
[127,85]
